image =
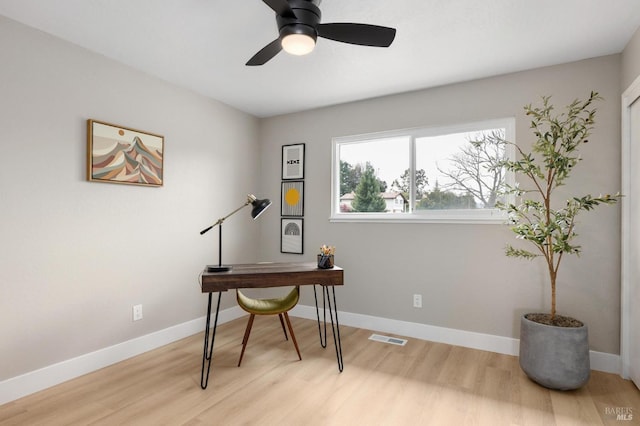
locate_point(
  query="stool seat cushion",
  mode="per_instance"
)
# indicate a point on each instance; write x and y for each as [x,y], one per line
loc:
[268,306]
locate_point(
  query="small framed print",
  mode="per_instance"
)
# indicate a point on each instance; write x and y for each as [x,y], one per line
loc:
[293,161]
[292,198]
[117,154]
[291,235]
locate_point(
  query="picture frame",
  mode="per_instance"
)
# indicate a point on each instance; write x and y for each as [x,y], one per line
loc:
[118,154]
[293,161]
[292,198]
[291,235]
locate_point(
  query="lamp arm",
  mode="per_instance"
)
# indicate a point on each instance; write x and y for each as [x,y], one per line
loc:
[219,222]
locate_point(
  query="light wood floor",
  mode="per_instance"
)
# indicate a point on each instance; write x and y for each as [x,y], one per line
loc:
[422,383]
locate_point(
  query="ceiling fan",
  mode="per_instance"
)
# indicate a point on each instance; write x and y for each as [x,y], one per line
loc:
[299,26]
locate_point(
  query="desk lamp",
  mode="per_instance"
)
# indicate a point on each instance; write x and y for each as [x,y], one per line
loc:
[259,206]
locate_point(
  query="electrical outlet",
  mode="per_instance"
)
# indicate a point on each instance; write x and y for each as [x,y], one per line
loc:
[417,301]
[137,312]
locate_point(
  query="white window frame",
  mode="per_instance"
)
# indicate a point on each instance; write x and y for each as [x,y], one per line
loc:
[472,216]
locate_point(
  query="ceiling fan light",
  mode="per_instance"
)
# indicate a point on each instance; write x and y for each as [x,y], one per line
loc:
[298,44]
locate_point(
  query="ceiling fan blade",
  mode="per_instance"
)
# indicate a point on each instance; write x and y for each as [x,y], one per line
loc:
[266,53]
[362,34]
[281,7]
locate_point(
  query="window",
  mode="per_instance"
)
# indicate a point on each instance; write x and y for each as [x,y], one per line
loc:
[443,174]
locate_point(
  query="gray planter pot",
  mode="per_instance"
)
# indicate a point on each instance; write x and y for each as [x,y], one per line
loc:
[554,357]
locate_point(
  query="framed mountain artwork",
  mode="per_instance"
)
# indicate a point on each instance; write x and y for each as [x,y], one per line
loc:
[117,154]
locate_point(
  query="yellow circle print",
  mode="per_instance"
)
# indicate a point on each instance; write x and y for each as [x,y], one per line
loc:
[292,197]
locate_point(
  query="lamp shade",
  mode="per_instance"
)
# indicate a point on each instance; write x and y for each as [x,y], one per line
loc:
[259,206]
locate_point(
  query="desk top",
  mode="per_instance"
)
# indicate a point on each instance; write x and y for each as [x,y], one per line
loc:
[261,275]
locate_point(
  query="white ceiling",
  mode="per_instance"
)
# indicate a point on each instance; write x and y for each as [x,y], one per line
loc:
[203,44]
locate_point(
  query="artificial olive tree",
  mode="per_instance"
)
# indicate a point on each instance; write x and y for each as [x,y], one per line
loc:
[537,217]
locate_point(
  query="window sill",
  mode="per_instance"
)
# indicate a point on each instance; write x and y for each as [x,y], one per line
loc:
[488,217]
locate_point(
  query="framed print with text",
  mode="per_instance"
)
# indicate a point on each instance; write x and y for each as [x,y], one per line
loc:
[293,161]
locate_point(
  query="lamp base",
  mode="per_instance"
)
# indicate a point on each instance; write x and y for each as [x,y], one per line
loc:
[219,268]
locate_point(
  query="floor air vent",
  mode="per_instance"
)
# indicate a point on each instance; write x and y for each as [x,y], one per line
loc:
[387,339]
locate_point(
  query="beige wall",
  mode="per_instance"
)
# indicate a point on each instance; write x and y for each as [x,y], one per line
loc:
[466,281]
[631,61]
[75,255]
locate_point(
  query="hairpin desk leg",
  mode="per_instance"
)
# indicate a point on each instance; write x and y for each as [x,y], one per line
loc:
[323,338]
[336,329]
[208,349]
[335,326]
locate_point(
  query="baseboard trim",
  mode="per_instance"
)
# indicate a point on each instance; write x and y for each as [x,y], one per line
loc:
[450,336]
[605,362]
[34,381]
[600,361]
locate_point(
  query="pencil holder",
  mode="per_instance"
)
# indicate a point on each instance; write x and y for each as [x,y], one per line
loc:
[325,261]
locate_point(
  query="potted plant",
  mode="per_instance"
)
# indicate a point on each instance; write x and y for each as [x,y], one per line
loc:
[554,349]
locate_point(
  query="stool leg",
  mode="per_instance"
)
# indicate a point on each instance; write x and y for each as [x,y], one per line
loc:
[246,337]
[283,329]
[293,336]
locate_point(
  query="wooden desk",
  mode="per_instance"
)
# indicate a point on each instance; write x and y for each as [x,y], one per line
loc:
[263,275]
